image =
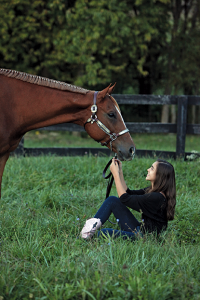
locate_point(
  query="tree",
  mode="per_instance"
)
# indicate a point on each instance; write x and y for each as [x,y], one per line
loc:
[27,30]
[108,41]
[182,59]
[144,45]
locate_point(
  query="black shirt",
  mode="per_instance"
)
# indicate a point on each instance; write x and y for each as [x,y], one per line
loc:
[152,206]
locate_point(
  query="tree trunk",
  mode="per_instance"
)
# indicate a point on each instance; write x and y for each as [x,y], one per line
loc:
[165,108]
[165,114]
[173,114]
[173,107]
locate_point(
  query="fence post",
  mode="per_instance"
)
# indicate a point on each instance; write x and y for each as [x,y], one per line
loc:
[181,126]
[20,149]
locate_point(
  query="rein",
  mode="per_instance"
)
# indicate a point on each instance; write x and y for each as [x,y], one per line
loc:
[110,176]
[110,181]
[93,118]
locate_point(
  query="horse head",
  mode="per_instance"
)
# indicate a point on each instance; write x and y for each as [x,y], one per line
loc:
[107,126]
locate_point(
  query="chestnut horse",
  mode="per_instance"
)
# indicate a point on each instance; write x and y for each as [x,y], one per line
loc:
[29,102]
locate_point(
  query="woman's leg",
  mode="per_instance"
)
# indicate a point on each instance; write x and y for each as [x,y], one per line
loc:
[105,232]
[125,218]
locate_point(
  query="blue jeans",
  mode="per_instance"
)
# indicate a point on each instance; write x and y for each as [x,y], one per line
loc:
[130,226]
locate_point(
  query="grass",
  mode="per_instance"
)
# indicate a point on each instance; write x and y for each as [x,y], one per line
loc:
[148,141]
[45,202]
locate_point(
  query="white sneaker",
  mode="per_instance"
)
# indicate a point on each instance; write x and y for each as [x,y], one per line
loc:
[91,225]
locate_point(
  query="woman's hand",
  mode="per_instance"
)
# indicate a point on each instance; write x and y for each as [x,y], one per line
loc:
[119,164]
[116,166]
[116,170]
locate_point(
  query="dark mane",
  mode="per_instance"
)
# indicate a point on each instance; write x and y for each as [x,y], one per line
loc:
[43,81]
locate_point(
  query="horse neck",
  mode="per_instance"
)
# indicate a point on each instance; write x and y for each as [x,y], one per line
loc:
[47,106]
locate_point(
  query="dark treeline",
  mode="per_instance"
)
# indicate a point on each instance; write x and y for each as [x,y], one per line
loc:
[146,46]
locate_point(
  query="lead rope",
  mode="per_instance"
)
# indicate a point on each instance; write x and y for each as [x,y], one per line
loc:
[110,181]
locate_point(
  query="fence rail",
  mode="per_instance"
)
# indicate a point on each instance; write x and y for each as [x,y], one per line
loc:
[181,128]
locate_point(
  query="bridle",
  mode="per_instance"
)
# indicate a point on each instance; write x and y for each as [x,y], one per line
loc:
[93,118]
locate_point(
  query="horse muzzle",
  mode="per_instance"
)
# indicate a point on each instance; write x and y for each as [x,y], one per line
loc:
[125,155]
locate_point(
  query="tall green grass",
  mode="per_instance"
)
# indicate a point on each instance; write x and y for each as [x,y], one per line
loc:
[45,202]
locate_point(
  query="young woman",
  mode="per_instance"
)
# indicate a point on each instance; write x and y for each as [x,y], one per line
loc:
[156,203]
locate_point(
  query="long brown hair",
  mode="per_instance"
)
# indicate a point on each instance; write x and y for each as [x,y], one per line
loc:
[165,183]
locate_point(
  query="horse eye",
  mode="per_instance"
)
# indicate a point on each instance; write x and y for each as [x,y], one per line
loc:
[111,115]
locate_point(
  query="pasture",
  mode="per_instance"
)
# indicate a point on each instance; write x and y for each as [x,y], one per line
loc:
[150,141]
[45,202]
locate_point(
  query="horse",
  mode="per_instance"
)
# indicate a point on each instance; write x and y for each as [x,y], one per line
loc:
[29,102]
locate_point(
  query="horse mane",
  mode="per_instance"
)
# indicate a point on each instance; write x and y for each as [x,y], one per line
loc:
[43,81]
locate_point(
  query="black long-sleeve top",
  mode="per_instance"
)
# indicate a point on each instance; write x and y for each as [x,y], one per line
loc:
[152,206]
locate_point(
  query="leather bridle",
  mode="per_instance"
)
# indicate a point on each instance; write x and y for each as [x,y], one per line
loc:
[93,118]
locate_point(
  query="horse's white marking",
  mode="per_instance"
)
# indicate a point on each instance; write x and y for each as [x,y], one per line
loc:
[120,115]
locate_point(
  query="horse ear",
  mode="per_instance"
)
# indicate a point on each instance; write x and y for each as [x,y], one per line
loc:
[111,89]
[107,90]
[103,93]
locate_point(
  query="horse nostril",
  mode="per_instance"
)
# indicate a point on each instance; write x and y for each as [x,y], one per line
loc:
[132,151]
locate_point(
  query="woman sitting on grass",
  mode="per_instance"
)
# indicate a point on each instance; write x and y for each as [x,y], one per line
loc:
[156,203]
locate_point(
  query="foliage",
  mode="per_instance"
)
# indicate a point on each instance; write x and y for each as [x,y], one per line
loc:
[89,43]
[146,46]
[45,202]
[27,30]
[113,38]
[181,62]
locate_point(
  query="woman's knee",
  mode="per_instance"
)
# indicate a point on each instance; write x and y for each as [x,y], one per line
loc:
[113,200]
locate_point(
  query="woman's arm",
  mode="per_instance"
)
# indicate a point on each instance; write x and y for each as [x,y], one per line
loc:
[116,169]
[121,175]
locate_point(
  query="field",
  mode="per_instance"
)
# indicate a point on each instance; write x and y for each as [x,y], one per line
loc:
[148,141]
[45,202]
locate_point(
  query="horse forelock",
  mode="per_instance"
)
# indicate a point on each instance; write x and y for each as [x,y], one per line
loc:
[43,81]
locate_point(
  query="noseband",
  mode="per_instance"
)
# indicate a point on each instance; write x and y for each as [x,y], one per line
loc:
[93,118]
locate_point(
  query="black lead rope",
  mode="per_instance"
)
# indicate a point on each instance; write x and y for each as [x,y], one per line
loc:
[110,181]
[110,176]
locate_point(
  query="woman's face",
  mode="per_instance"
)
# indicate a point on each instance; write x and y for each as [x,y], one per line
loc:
[151,175]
